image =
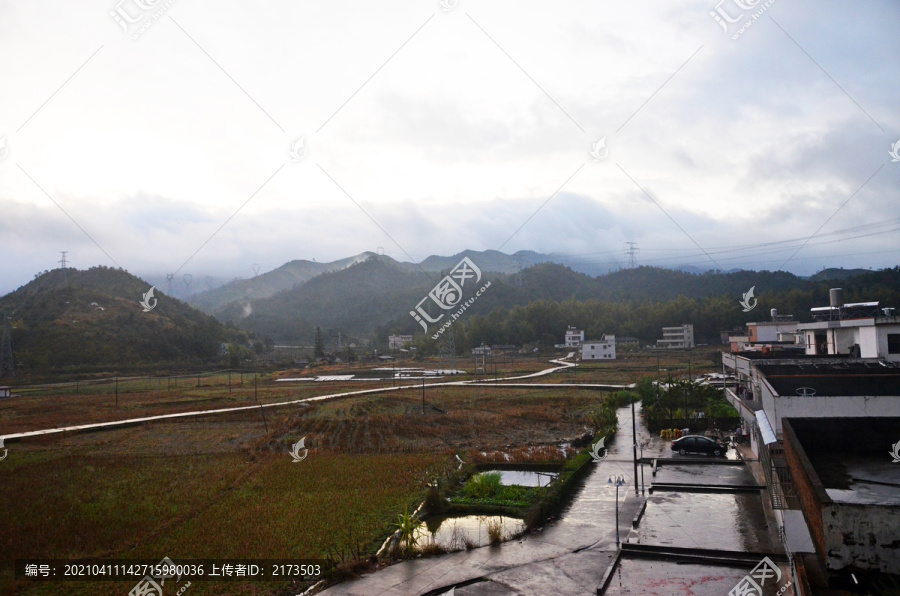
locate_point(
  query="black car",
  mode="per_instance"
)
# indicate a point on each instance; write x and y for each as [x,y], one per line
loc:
[698,444]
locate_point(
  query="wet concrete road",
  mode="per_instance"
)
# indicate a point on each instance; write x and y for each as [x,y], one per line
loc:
[705,520]
[668,578]
[700,474]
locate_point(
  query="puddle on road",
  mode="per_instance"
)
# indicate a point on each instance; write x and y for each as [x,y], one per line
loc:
[451,532]
[705,520]
[704,474]
[524,477]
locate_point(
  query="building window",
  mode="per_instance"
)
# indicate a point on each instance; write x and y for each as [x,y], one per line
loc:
[893,343]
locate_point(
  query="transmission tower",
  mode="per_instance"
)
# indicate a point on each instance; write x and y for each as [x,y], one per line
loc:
[517,263]
[6,358]
[63,263]
[630,251]
[169,278]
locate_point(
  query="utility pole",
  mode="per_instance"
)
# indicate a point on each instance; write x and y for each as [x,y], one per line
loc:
[690,392]
[634,445]
[261,411]
[423,392]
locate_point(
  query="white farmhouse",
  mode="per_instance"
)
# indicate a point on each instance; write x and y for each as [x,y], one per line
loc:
[602,349]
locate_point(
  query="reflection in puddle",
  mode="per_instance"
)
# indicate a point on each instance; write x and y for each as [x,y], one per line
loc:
[457,533]
[524,478]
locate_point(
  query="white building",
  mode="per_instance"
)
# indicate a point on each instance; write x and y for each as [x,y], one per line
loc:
[398,342]
[574,337]
[602,349]
[861,330]
[677,337]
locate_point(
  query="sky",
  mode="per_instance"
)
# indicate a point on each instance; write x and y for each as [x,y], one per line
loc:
[220,139]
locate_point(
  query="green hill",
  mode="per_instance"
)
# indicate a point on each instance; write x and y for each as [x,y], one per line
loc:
[287,276]
[838,273]
[373,299]
[355,300]
[67,318]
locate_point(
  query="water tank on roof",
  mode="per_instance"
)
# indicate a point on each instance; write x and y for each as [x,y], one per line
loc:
[774,313]
[836,296]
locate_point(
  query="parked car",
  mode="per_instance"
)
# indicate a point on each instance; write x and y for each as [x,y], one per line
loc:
[698,444]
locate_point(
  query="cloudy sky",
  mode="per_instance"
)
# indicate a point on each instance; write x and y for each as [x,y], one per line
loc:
[205,137]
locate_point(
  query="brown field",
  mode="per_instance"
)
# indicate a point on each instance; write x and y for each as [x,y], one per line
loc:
[222,486]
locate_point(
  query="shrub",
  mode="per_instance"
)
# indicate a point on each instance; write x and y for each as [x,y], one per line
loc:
[482,486]
[495,530]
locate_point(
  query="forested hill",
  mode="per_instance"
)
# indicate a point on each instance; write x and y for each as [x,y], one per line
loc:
[355,299]
[94,317]
[287,276]
[374,298]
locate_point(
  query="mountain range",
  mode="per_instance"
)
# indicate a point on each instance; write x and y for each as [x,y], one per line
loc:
[93,318]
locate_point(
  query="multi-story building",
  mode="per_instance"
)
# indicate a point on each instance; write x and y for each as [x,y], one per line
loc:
[681,337]
[781,328]
[574,337]
[602,349]
[778,334]
[822,427]
[860,329]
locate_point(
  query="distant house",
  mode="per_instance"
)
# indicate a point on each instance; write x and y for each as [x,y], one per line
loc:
[398,342]
[5,392]
[681,337]
[602,349]
[574,337]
